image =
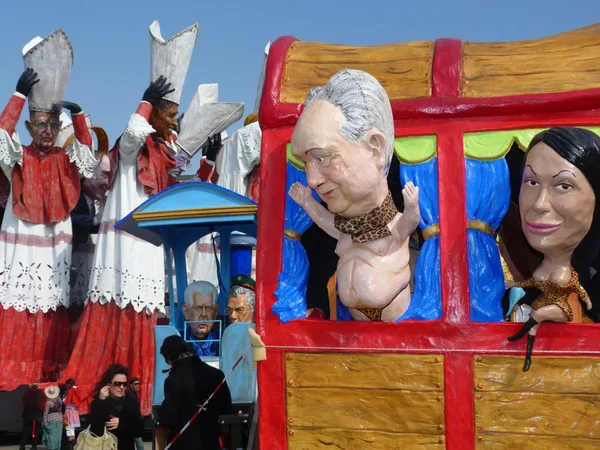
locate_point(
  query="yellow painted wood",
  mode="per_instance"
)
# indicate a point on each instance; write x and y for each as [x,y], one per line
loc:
[302,439]
[364,370]
[403,69]
[561,63]
[532,442]
[366,409]
[550,375]
[567,415]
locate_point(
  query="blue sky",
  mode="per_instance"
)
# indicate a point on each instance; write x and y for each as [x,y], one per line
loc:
[112,46]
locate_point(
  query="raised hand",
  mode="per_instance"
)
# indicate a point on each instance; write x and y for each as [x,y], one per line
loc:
[157,90]
[213,146]
[73,108]
[410,193]
[103,393]
[26,81]
[300,194]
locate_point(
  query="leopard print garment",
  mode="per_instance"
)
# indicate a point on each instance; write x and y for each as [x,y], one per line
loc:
[555,294]
[370,226]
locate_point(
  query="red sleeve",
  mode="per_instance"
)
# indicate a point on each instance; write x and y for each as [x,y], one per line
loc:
[206,170]
[82,132]
[12,112]
[144,110]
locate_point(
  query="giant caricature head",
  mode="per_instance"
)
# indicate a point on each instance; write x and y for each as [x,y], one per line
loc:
[242,297]
[164,119]
[43,128]
[345,135]
[200,304]
[559,193]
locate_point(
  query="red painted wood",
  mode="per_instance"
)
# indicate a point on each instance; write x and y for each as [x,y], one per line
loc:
[272,429]
[459,408]
[453,226]
[272,113]
[447,68]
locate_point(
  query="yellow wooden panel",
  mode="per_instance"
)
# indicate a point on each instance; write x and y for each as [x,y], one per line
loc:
[529,442]
[547,375]
[370,371]
[572,415]
[360,440]
[366,409]
[560,63]
[404,70]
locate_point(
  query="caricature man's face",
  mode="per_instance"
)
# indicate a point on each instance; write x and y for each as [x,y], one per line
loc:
[203,308]
[343,173]
[238,309]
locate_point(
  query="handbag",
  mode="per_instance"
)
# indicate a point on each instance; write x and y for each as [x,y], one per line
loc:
[89,441]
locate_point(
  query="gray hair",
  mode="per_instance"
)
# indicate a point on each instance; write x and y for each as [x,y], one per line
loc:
[200,287]
[364,104]
[236,291]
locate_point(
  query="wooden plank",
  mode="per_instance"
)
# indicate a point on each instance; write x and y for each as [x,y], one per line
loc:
[560,63]
[529,442]
[366,409]
[547,375]
[403,69]
[317,439]
[364,370]
[574,415]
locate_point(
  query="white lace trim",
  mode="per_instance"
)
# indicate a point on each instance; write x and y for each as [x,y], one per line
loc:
[35,286]
[134,136]
[11,151]
[82,156]
[144,292]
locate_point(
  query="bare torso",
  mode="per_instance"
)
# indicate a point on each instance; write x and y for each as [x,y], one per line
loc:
[375,274]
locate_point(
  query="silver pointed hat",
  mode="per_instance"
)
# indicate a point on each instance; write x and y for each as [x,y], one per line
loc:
[171,57]
[52,59]
[206,117]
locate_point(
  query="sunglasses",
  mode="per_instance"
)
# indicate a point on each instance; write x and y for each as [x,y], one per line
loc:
[43,126]
[119,383]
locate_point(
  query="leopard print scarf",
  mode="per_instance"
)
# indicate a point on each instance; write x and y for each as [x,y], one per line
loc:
[370,226]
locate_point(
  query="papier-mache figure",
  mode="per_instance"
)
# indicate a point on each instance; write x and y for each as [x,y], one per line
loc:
[127,282]
[345,136]
[241,300]
[560,218]
[201,304]
[35,241]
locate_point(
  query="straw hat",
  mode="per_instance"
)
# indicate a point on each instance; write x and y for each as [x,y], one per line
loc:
[51,392]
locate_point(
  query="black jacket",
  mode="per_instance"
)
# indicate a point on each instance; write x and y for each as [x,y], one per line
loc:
[82,218]
[130,419]
[189,384]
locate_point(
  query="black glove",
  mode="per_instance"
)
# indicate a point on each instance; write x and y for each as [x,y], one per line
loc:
[73,108]
[26,81]
[213,146]
[178,128]
[157,90]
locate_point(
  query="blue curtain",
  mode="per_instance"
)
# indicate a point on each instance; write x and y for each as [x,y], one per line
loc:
[488,197]
[426,300]
[291,289]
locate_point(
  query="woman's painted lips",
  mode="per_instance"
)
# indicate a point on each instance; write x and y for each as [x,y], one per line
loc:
[542,228]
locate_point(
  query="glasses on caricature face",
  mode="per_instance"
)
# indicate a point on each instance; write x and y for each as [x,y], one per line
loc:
[43,125]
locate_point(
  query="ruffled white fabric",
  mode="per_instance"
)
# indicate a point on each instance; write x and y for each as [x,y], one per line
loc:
[11,152]
[127,270]
[83,157]
[35,261]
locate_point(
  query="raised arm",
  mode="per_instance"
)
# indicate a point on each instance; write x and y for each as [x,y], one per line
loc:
[12,112]
[408,223]
[320,216]
[138,128]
